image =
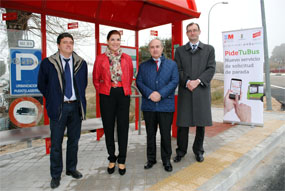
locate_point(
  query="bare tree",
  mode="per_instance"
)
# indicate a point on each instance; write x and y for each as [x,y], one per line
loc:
[28,26]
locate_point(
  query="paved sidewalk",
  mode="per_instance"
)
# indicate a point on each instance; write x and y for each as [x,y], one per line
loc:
[231,151]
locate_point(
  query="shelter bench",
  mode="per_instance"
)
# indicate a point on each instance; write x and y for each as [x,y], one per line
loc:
[39,132]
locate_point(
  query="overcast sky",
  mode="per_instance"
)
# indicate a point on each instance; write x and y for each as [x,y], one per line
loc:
[238,14]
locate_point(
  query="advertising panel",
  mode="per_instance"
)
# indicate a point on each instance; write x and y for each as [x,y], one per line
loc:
[243,76]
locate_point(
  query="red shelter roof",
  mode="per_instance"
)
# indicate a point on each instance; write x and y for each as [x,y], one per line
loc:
[128,14]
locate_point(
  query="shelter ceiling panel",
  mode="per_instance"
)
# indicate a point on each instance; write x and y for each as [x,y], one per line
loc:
[154,15]
[76,8]
[129,14]
[120,11]
[22,3]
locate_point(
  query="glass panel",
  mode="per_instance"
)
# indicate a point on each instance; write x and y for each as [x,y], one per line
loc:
[84,45]
[127,36]
[163,33]
[20,100]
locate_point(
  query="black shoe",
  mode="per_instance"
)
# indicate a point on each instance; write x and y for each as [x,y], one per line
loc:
[111,170]
[199,157]
[75,174]
[122,171]
[167,166]
[55,182]
[177,158]
[149,164]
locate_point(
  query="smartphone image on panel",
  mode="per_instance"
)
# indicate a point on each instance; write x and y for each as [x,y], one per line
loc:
[235,88]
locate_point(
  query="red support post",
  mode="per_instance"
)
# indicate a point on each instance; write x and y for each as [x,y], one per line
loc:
[98,52]
[44,55]
[100,133]
[137,106]
[177,40]
[174,127]
[48,145]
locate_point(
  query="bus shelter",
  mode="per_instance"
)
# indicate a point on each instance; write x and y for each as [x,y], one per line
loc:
[133,15]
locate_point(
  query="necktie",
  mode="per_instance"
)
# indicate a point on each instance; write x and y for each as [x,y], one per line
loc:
[193,48]
[67,75]
[156,61]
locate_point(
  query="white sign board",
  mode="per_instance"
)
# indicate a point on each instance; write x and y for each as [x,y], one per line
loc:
[26,43]
[243,76]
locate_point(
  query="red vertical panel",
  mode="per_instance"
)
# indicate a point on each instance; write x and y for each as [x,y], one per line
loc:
[176,35]
[98,51]
[177,40]
[48,145]
[100,133]
[174,127]
[44,55]
[137,106]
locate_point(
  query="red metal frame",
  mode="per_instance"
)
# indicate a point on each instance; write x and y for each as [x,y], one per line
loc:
[98,52]
[135,15]
[137,106]
[44,54]
[179,6]
[167,11]
[177,38]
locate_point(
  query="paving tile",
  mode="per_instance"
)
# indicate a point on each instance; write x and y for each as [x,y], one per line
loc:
[31,166]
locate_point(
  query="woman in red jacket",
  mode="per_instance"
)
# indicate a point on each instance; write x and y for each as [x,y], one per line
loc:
[112,78]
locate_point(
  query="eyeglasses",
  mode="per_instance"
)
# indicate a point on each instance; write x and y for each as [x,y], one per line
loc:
[192,31]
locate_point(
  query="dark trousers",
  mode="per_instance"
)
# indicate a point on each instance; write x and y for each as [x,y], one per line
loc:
[164,120]
[71,119]
[113,107]
[182,140]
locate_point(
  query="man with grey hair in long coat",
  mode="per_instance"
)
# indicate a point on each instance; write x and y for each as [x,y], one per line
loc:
[196,66]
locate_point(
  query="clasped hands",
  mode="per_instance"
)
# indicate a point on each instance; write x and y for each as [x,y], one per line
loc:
[155,96]
[192,84]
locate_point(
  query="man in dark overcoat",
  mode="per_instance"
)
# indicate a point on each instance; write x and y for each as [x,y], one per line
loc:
[196,66]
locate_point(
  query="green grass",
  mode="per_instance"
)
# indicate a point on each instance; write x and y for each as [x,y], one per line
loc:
[217,93]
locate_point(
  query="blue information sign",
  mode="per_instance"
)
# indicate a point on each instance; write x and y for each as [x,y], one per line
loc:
[25,64]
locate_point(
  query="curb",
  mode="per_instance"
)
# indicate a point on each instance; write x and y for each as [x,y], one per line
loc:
[230,176]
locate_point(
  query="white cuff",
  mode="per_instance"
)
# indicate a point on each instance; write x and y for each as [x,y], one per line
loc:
[199,81]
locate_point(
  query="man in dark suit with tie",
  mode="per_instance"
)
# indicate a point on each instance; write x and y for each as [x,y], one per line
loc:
[196,66]
[62,80]
[157,80]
